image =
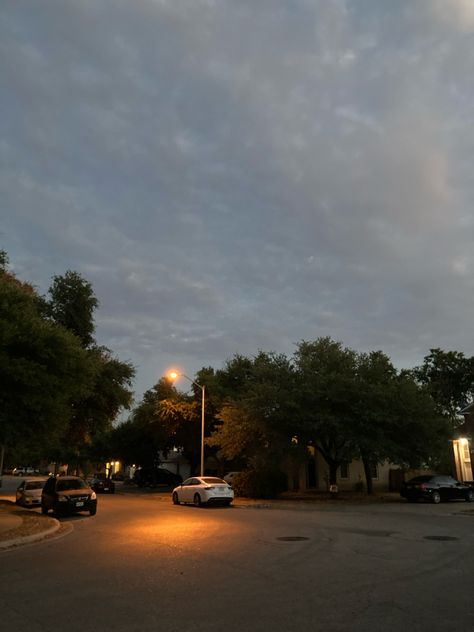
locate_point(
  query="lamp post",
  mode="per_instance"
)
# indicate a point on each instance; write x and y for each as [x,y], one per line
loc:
[173,376]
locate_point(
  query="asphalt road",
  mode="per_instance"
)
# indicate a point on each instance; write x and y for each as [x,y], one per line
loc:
[143,565]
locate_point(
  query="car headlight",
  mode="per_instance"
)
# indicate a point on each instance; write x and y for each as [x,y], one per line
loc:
[93,496]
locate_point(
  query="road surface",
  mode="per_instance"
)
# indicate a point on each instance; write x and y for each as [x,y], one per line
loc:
[141,565]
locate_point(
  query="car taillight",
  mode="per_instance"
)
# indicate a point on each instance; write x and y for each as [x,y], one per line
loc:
[422,485]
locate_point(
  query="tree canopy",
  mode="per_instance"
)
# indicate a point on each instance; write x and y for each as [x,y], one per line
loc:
[42,367]
[449,378]
[72,304]
[57,387]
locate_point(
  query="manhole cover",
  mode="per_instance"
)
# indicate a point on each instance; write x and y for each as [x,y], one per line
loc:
[292,538]
[440,538]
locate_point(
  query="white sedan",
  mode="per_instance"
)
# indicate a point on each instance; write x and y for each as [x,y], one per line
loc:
[202,490]
[28,493]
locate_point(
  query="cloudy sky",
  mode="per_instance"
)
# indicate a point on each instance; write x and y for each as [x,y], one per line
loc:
[236,175]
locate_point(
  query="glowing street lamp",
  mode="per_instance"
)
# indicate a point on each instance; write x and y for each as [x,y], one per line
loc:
[173,375]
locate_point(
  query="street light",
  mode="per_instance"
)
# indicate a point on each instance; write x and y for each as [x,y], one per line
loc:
[173,376]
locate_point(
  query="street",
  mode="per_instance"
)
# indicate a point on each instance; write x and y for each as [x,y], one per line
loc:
[144,565]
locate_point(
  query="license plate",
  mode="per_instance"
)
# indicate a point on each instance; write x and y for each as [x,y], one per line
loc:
[80,504]
[106,489]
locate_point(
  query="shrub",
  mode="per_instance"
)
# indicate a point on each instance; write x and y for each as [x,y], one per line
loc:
[260,483]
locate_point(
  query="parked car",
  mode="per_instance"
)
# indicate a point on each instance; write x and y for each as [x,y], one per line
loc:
[24,471]
[28,493]
[68,494]
[203,490]
[153,476]
[229,478]
[436,489]
[103,484]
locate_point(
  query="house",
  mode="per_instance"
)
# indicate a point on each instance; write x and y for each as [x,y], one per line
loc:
[463,451]
[314,475]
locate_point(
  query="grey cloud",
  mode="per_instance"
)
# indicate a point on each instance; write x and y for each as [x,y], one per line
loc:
[238,175]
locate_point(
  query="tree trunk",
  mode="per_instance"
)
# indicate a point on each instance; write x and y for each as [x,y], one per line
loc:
[2,453]
[333,465]
[368,475]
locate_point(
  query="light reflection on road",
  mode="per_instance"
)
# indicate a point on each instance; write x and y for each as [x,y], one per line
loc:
[186,528]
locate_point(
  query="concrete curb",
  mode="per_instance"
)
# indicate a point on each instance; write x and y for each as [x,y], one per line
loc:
[28,539]
[18,540]
[242,503]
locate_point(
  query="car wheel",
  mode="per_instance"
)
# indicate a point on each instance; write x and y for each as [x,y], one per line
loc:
[469,498]
[92,511]
[435,497]
[175,499]
[197,500]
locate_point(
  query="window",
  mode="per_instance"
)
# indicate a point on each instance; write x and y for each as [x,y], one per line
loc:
[344,470]
[34,485]
[69,484]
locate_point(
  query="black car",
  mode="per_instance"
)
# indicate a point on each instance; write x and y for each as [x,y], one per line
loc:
[68,494]
[153,476]
[436,489]
[103,485]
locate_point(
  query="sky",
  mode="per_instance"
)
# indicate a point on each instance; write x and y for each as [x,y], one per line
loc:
[240,175]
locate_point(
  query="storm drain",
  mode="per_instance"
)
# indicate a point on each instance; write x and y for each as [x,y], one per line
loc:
[440,538]
[292,538]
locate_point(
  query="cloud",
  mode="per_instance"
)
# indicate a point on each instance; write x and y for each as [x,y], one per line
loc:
[234,176]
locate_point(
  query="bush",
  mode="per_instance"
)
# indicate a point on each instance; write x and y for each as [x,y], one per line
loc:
[260,483]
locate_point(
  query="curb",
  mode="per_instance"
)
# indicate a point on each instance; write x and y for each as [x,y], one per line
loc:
[28,539]
[34,537]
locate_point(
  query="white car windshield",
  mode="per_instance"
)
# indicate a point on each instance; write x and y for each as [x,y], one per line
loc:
[34,485]
[67,484]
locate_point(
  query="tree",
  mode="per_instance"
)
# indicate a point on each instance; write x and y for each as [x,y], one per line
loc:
[373,421]
[257,409]
[327,389]
[420,433]
[72,305]
[144,435]
[449,378]
[3,261]
[109,392]
[42,366]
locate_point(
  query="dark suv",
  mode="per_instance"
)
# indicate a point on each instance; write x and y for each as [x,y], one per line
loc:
[153,476]
[436,489]
[68,494]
